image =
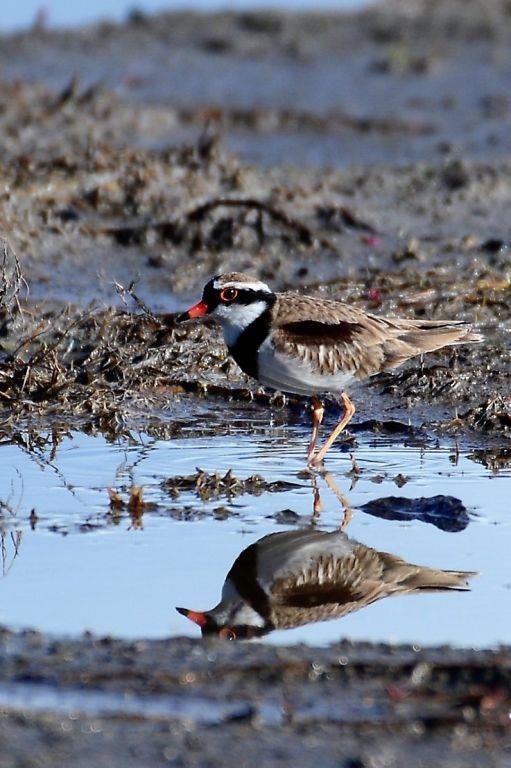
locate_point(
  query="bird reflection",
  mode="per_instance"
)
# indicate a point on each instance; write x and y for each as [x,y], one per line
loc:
[293,578]
[317,504]
[444,512]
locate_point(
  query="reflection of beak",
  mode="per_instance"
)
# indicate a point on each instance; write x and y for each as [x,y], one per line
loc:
[196,616]
[198,310]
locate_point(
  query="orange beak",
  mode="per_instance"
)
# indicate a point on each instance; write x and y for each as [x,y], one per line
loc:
[196,616]
[198,310]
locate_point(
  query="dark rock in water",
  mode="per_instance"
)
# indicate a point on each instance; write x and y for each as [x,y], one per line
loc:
[455,175]
[286,517]
[494,245]
[446,512]
[388,427]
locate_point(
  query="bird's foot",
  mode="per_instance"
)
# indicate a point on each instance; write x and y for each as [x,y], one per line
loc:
[346,517]
[315,462]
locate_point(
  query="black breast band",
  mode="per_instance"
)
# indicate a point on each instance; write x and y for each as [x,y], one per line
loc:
[246,349]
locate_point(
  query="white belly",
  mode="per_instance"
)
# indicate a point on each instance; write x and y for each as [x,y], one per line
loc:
[291,375]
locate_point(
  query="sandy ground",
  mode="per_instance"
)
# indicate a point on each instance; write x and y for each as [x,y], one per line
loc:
[364,157]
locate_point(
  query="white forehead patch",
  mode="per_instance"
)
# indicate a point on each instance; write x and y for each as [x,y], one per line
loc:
[255,286]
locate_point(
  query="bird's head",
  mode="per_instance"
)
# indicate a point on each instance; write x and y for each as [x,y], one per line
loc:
[227,625]
[235,299]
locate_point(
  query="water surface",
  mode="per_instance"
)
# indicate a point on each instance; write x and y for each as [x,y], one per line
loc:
[58,13]
[72,565]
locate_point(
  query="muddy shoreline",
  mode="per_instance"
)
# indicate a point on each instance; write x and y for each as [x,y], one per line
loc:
[92,204]
[187,702]
[359,156]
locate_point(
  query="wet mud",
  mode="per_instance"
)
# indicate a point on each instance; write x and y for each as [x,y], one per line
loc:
[364,157]
[187,702]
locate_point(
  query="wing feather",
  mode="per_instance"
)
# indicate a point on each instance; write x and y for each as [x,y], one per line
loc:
[332,336]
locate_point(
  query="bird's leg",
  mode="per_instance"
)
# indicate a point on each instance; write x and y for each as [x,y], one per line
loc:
[349,410]
[317,418]
[317,506]
[347,511]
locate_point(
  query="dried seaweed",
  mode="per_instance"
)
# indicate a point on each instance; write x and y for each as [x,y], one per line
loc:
[492,416]
[494,459]
[290,120]
[135,505]
[212,486]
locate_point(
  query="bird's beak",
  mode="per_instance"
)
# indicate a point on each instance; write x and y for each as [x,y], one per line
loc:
[197,617]
[198,310]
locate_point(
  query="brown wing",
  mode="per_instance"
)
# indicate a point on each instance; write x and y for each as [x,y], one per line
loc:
[330,588]
[333,336]
[333,587]
[330,579]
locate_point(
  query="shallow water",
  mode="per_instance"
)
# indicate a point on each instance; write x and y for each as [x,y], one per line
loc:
[73,565]
[27,697]
[58,13]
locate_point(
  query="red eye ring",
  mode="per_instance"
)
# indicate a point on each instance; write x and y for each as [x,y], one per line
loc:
[228,294]
[226,633]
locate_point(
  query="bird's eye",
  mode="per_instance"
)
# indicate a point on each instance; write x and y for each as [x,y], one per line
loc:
[228,294]
[226,633]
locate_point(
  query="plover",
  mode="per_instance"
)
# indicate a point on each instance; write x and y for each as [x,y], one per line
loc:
[306,345]
[293,578]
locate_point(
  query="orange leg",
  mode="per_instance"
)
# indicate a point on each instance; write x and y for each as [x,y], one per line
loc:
[349,410]
[317,418]
[347,511]
[317,506]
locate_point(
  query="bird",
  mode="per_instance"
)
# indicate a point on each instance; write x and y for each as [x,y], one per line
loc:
[310,346]
[292,578]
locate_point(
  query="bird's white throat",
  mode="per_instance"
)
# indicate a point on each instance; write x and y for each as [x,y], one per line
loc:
[235,318]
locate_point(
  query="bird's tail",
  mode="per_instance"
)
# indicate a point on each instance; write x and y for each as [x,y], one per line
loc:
[429,335]
[431,579]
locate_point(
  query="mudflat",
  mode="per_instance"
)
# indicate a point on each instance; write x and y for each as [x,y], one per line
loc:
[364,157]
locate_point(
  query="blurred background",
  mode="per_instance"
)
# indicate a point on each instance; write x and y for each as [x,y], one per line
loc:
[58,13]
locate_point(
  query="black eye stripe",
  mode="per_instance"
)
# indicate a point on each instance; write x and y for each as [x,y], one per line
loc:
[212,296]
[249,296]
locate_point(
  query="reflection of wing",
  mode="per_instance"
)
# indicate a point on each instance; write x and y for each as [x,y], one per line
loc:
[332,336]
[336,575]
[348,581]
[282,554]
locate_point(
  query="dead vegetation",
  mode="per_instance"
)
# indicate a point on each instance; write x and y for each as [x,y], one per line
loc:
[91,364]
[209,486]
[222,235]
[135,506]
[101,367]
[76,207]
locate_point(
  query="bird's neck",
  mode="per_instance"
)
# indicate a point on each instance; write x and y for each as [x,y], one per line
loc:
[239,318]
[244,345]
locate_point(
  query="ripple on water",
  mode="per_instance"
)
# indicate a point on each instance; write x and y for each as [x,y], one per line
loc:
[133,566]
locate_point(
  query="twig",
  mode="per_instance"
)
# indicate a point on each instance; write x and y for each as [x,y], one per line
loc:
[303,231]
[11,278]
[197,214]
[122,291]
[40,329]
